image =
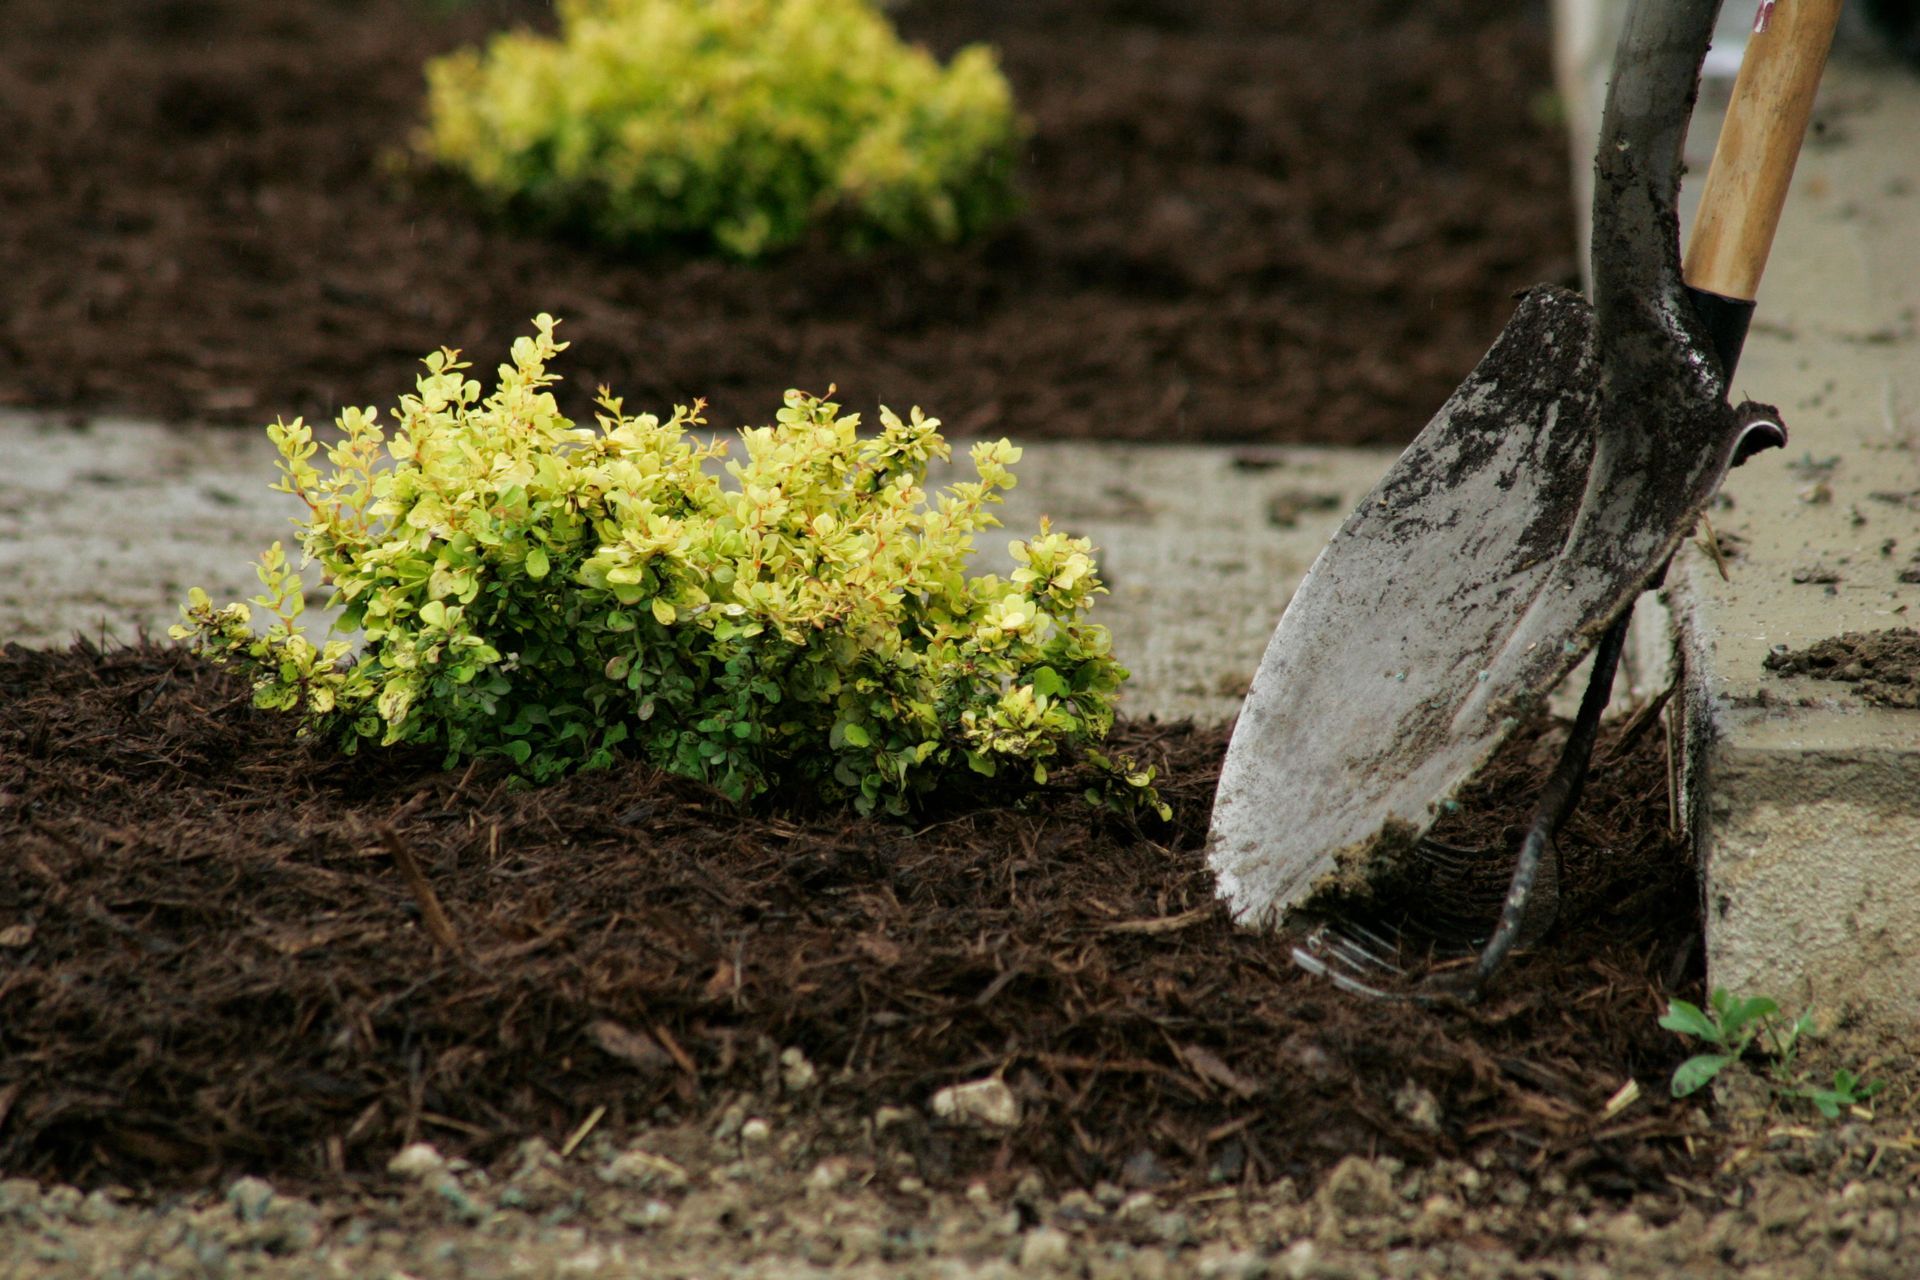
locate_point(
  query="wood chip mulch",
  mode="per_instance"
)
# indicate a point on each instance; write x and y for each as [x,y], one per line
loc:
[223,949]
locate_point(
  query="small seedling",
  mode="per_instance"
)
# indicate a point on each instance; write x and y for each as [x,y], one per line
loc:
[1848,1090]
[1731,1025]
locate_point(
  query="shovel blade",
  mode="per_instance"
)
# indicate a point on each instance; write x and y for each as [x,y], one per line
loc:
[1372,701]
[1546,494]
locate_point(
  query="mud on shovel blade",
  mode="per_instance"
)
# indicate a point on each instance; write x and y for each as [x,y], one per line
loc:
[1513,533]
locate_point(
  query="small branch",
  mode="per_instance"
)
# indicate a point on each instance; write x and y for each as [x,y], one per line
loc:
[430,910]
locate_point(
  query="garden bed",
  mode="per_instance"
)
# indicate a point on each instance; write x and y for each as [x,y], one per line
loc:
[229,951]
[1247,219]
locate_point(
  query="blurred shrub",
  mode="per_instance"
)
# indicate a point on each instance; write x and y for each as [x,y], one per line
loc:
[729,124]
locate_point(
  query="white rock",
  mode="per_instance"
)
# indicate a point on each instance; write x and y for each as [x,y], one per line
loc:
[1046,1249]
[796,1073]
[638,1167]
[980,1104]
[417,1161]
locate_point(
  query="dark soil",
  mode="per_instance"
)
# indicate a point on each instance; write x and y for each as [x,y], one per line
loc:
[1882,666]
[224,950]
[1281,220]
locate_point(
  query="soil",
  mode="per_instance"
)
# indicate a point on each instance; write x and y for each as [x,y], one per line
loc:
[1882,666]
[1247,219]
[278,1010]
[235,951]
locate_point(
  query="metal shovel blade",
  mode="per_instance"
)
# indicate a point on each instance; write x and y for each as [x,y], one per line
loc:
[1358,718]
[1546,494]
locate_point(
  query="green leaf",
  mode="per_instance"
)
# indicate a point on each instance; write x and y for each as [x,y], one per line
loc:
[855,735]
[1696,1071]
[536,563]
[1736,1015]
[1688,1020]
[1047,682]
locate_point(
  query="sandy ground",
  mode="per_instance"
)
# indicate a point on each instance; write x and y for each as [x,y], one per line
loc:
[754,1196]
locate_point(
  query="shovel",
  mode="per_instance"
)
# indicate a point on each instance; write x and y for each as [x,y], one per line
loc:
[1513,535]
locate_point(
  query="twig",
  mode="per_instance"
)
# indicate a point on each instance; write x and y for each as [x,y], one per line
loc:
[1710,543]
[1161,924]
[579,1135]
[430,910]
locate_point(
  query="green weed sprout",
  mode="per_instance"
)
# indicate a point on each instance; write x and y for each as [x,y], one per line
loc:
[735,125]
[1731,1025]
[525,588]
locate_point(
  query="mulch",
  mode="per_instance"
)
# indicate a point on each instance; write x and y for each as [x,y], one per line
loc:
[1278,220]
[225,949]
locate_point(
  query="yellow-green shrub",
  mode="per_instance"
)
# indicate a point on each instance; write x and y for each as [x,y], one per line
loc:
[549,593]
[736,124]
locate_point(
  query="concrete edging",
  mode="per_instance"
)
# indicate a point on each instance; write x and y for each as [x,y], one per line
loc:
[1803,801]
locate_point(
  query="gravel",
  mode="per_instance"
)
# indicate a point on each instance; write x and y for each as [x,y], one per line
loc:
[754,1197]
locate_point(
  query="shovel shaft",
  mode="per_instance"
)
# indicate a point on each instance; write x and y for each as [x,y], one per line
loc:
[1766,120]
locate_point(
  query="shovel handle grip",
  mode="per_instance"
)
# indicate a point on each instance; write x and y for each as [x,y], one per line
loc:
[1752,166]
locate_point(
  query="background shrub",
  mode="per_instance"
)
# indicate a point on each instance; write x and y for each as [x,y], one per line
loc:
[549,593]
[735,124]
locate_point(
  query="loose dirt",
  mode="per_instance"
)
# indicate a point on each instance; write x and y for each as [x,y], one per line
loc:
[1883,667]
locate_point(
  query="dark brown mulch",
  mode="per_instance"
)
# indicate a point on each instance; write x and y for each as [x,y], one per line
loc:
[1249,220]
[211,960]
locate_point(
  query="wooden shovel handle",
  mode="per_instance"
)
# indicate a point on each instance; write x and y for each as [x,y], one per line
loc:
[1759,142]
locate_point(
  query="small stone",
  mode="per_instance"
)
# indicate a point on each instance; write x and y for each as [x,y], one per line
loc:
[1417,1106]
[1237,1264]
[1046,1249]
[640,1168]
[827,1175]
[1297,1263]
[756,1133]
[796,1073]
[731,1119]
[1079,1206]
[978,1104]
[979,1195]
[651,1213]
[61,1201]
[99,1208]
[892,1117]
[250,1198]
[1357,1188]
[18,1193]
[1438,1216]
[417,1161]
[463,1206]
